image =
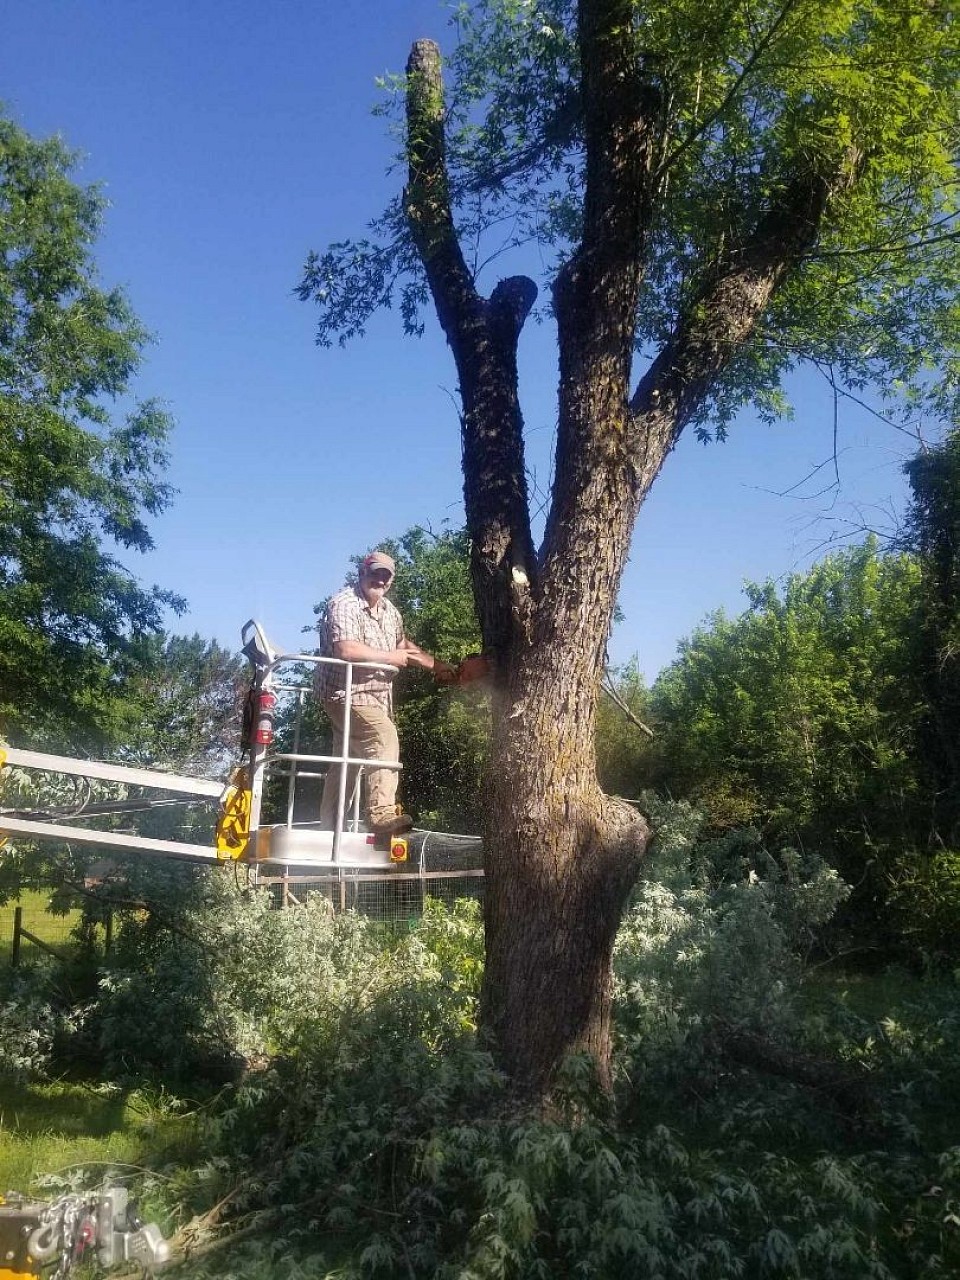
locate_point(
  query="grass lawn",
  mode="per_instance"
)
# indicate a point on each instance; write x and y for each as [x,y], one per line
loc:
[36,919]
[62,1129]
[52,1128]
[43,923]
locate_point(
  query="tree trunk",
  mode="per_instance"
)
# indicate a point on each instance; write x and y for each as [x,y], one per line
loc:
[560,859]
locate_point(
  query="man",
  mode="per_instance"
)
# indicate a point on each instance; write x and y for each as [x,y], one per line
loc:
[361,625]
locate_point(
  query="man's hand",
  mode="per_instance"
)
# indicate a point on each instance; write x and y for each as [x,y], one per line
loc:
[417,657]
[473,667]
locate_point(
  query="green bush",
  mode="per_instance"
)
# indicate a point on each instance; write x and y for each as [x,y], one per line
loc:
[386,1143]
[372,1136]
[716,927]
[29,1022]
[220,977]
[925,904]
[392,1159]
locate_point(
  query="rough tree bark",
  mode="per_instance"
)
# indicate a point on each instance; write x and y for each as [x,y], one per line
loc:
[561,857]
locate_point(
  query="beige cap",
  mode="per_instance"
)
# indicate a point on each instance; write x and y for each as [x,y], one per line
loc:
[378,560]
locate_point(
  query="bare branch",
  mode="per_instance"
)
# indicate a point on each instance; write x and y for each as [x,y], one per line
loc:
[483,335]
[610,691]
[847,394]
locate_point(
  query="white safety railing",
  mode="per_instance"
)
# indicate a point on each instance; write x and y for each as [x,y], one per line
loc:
[267,662]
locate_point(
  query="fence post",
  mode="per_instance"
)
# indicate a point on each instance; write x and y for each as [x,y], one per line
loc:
[17,926]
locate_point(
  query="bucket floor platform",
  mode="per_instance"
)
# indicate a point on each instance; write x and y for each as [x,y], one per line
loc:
[311,846]
[307,845]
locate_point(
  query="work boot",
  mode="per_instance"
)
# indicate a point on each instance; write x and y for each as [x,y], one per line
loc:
[395,825]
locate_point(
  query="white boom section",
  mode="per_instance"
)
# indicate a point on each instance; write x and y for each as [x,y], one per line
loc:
[154,778]
[311,847]
[115,773]
[115,839]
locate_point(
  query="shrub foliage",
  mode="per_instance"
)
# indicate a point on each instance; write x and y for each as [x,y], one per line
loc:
[763,1123]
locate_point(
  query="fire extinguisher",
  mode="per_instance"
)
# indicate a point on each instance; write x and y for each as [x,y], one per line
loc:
[264,710]
[258,713]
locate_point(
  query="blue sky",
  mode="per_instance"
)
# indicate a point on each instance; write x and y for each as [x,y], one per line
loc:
[231,138]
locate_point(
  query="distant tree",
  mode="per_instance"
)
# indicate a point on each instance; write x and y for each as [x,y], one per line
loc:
[802,716]
[179,710]
[73,482]
[184,706]
[727,189]
[934,476]
[443,733]
[624,736]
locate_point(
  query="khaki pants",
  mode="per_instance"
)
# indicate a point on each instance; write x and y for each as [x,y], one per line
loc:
[373,736]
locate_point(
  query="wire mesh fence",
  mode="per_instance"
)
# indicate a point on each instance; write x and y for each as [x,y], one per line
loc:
[443,867]
[394,899]
[28,929]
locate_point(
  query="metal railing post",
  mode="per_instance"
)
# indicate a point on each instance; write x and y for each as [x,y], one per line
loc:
[292,786]
[355,800]
[344,756]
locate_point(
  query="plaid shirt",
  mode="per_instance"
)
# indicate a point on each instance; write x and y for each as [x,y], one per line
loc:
[349,617]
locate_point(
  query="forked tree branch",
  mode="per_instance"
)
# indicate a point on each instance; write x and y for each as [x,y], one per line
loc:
[483,335]
[726,308]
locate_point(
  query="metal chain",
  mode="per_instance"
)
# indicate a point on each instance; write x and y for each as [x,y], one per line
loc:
[70,1218]
[105,1221]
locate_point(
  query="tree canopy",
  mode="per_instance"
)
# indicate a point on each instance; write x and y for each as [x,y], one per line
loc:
[756,107]
[77,483]
[803,715]
[184,706]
